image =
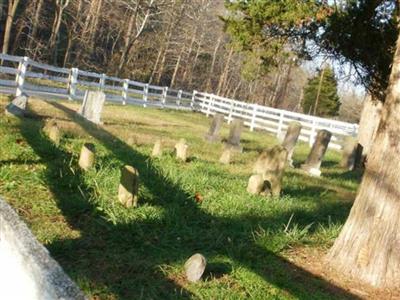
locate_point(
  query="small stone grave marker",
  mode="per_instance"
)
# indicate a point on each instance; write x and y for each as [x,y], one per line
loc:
[17,107]
[129,186]
[87,157]
[213,132]
[291,137]
[181,150]
[349,153]
[314,159]
[195,267]
[235,132]
[157,149]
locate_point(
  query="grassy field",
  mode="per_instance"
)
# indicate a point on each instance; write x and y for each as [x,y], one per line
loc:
[251,242]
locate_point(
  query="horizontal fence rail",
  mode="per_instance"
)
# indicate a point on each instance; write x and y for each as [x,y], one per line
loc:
[22,75]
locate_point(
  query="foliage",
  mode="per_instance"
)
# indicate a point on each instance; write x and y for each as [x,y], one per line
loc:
[359,32]
[328,101]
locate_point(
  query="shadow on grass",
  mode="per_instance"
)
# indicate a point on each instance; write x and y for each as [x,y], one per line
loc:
[126,259]
[354,176]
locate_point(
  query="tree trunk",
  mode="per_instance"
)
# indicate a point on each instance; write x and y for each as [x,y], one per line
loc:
[369,122]
[178,62]
[12,7]
[35,23]
[368,245]
[210,75]
[224,74]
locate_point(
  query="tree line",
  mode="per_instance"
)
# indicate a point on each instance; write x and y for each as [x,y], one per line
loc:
[179,43]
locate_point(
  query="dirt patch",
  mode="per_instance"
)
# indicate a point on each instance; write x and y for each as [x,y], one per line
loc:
[312,260]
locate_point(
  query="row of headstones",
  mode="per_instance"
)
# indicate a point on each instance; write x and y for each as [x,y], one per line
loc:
[270,165]
[267,172]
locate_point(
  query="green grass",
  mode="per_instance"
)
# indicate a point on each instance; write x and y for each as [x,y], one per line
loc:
[138,253]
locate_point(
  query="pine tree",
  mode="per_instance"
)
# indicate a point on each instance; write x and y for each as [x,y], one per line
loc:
[328,103]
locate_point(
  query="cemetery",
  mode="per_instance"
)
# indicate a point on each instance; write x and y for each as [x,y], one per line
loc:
[144,203]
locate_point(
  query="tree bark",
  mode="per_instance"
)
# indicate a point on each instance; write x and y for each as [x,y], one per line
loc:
[35,23]
[12,7]
[368,245]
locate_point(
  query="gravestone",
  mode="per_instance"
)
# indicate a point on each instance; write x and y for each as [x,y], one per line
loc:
[54,133]
[181,150]
[291,137]
[349,153]
[132,140]
[157,149]
[235,132]
[27,269]
[194,267]
[268,172]
[17,107]
[92,106]
[87,157]
[129,186]
[314,159]
[226,157]
[213,132]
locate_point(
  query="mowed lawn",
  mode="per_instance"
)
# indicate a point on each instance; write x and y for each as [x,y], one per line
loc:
[251,242]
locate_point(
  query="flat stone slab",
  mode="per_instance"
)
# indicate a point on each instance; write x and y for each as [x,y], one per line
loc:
[27,270]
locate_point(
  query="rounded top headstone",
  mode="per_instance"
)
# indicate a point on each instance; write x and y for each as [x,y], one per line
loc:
[194,267]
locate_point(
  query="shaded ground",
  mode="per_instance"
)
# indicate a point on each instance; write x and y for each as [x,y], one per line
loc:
[118,253]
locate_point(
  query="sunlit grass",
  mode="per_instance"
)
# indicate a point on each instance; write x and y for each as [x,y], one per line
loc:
[118,253]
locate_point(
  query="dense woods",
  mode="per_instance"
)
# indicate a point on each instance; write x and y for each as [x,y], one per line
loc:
[179,43]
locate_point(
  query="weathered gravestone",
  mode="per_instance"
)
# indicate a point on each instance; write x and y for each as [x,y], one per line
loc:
[87,157]
[54,132]
[235,132]
[92,106]
[194,267]
[268,172]
[27,270]
[181,150]
[289,143]
[157,149]
[226,157]
[314,159]
[213,132]
[129,186]
[17,107]
[349,153]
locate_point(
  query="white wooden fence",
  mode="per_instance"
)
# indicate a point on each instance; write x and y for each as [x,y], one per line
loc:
[22,75]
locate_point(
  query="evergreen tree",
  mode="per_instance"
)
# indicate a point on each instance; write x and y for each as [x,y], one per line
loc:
[328,100]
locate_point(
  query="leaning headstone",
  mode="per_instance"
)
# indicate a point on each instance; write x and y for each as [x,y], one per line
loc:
[314,159]
[92,106]
[226,157]
[54,133]
[129,186]
[17,107]
[268,172]
[292,135]
[27,269]
[194,267]
[181,150]
[349,153]
[235,132]
[213,132]
[87,157]
[157,149]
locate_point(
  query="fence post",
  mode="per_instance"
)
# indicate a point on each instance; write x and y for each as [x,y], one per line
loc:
[253,117]
[125,88]
[193,99]
[164,96]
[312,134]
[72,82]
[179,97]
[231,111]
[102,81]
[280,125]
[145,94]
[209,105]
[20,78]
